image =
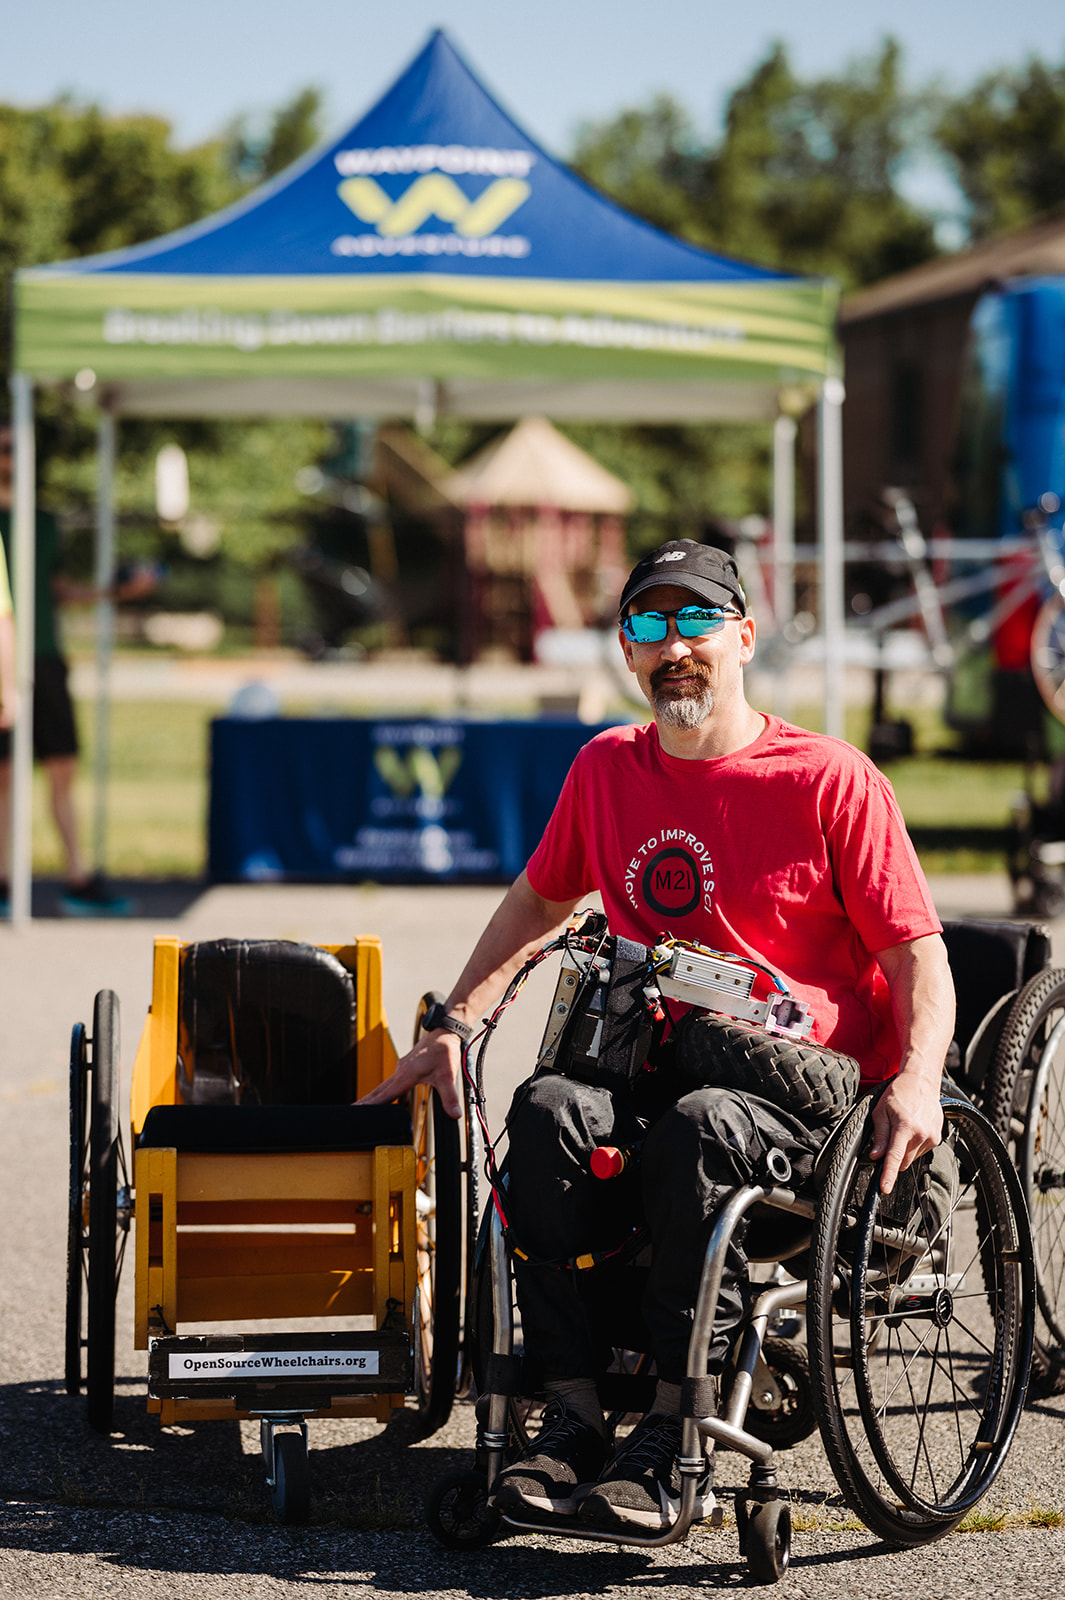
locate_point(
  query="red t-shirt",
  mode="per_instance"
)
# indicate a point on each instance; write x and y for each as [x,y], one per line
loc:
[791,851]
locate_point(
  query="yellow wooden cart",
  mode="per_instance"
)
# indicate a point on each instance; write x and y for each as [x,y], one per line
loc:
[296,1256]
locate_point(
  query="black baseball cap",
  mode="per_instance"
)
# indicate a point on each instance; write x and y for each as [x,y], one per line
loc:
[707,571]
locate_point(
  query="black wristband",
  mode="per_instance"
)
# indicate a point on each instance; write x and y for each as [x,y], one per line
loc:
[437,1017]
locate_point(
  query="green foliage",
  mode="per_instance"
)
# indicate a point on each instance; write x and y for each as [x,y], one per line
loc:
[1006,138]
[74,182]
[805,176]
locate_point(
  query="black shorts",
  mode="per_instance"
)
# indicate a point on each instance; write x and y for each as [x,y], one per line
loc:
[55,731]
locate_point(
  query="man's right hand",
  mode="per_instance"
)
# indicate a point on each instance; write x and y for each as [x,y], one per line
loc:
[435,1059]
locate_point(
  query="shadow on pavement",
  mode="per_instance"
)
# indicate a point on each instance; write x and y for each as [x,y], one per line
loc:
[158,899]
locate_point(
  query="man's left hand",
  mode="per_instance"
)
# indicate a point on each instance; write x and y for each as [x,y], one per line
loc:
[907,1121]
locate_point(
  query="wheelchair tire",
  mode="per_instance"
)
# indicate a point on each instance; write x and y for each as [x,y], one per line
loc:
[805,1079]
[437,1309]
[78,1175]
[1026,1102]
[103,1213]
[767,1539]
[457,1511]
[793,1420]
[290,1495]
[918,1370]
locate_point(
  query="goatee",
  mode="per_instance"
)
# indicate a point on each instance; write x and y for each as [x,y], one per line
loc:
[683,704]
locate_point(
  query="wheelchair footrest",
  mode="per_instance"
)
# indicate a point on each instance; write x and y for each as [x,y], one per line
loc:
[283,1371]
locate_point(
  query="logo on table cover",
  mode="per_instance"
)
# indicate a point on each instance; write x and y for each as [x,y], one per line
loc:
[475,212]
[671,874]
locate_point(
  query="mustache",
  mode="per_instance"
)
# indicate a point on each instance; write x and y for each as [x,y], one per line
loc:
[667,673]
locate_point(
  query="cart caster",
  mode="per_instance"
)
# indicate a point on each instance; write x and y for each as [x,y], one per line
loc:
[767,1539]
[288,1473]
[458,1512]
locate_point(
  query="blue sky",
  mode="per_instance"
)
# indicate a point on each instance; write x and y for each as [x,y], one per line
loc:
[552,63]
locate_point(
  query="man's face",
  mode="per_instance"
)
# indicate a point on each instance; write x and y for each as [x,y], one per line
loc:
[688,680]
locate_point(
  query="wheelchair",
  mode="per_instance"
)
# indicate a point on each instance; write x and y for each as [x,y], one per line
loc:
[919,1306]
[259,1195]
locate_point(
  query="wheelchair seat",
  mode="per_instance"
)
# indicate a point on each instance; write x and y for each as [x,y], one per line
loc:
[265,1022]
[989,963]
[271,1129]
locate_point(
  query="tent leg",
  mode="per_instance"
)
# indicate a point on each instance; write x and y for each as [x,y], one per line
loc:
[105,627]
[24,544]
[784,431]
[830,539]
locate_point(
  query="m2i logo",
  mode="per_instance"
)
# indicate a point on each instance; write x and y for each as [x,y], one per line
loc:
[672,874]
[475,213]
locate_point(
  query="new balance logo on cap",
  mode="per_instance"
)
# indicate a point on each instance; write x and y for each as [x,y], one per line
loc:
[670,555]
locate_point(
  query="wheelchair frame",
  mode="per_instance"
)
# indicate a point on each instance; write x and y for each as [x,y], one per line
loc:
[879,1304]
[240,1234]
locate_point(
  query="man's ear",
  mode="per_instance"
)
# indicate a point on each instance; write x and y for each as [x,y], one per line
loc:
[623,640]
[747,632]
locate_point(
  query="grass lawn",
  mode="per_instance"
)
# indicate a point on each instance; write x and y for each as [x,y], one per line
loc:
[157,799]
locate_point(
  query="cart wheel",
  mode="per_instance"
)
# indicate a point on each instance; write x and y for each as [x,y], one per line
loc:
[290,1496]
[793,1419]
[103,1213]
[768,1542]
[438,1158]
[458,1512]
[77,1191]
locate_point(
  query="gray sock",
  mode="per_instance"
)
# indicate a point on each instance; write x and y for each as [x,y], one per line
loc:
[667,1399]
[582,1399]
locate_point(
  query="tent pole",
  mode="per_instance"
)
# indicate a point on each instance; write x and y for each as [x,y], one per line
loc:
[105,627]
[24,545]
[784,430]
[830,539]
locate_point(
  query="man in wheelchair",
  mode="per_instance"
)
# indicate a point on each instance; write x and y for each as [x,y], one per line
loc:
[740,832]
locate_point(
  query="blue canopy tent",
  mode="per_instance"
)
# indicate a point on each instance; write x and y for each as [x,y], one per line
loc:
[432,260]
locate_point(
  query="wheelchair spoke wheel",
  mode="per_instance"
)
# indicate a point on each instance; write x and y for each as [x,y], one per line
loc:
[440,1238]
[103,1250]
[921,1318]
[77,1221]
[1026,1100]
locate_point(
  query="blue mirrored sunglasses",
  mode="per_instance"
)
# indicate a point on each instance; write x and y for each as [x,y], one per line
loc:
[693,622]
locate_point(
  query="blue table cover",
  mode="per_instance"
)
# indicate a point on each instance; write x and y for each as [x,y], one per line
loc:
[397,801]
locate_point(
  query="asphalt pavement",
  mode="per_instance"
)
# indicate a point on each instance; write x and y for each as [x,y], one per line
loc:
[182,1512]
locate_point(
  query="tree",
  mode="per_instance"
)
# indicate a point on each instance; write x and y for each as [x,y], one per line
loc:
[804,177]
[1006,139]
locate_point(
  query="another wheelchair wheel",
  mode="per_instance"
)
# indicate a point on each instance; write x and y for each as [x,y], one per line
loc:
[1026,1101]
[921,1319]
[77,1193]
[290,1495]
[458,1513]
[438,1154]
[103,1213]
[793,1420]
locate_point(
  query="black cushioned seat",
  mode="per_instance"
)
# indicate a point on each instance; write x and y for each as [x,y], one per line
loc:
[266,1129]
[988,960]
[265,1022]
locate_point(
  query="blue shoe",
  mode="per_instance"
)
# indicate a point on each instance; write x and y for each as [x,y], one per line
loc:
[93,899]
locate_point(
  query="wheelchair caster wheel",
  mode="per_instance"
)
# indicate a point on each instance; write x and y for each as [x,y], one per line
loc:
[743,1518]
[290,1495]
[458,1512]
[767,1544]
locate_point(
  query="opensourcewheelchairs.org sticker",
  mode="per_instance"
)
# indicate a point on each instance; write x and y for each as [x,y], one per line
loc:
[264,1364]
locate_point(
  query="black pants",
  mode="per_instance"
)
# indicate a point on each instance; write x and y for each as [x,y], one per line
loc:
[694,1155]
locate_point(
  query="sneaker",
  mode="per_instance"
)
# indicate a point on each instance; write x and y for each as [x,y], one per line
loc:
[93,899]
[555,1469]
[640,1487]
